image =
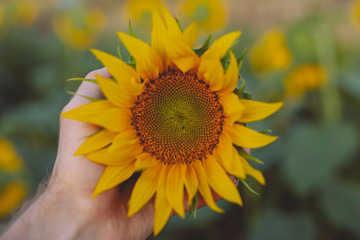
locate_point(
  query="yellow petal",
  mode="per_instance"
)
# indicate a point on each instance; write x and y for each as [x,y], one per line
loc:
[159,30]
[102,113]
[148,62]
[124,139]
[121,71]
[248,138]
[252,171]
[190,34]
[224,151]
[144,189]
[212,71]
[237,168]
[95,142]
[255,110]
[162,205]
[220,181]
[231,76]
[114,119]
[172,25]
[113,176]
[121,156]
[204,188]
[233,108]
[175,188]
[220,46]
[181,55]
[228,157]
[191,183]
[89,110]
[115,93]
[145,160]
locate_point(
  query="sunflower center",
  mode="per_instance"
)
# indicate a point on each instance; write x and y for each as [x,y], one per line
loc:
[178,118]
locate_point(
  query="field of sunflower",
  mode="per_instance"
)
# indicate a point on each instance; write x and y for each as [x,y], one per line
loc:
[298,60]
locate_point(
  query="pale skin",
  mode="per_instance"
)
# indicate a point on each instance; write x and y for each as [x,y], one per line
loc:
[66,209]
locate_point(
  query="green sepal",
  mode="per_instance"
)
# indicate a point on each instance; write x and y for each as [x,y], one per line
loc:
[247,156]
[239,90]
[266,131]
[179,24]
[82,79]
[89,98]
[193,206]
[132,32]
[200,51]
[118,52]
[248,187]
[132,62]
[240,58]
[225,61]
[247,96]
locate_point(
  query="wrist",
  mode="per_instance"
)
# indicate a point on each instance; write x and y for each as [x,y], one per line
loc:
[53,215]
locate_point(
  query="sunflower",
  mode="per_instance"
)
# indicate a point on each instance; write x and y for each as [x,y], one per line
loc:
[174,118]
[209,14]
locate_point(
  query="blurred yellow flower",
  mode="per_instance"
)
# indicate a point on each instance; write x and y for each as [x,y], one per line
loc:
[80,35]
[304,78]
[25,12]
[141,10]
[11,197]
[270,53]
[1,15]
[209,14]
[355,13]
[9,159]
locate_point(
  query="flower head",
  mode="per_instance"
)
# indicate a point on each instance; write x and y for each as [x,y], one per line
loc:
[304,78]
[12,193]
[142,9]
[9,159]
[209,14]
[79,34]
[355,13]
[270,53]
[11,196]
[175,119]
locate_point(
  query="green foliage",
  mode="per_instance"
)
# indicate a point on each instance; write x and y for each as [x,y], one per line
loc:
[273,225]
[340,203]
[315,153]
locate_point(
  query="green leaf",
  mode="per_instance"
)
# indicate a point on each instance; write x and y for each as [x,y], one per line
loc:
[248,187]
[316,153]
[82,79]
[274,225]
[266,131]
[200,51]
[89,98]
[245,95]
[132,32]
[247,156]
[340,203]
[193,206]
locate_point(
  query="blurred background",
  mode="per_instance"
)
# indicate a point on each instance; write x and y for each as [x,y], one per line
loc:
[303,52]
